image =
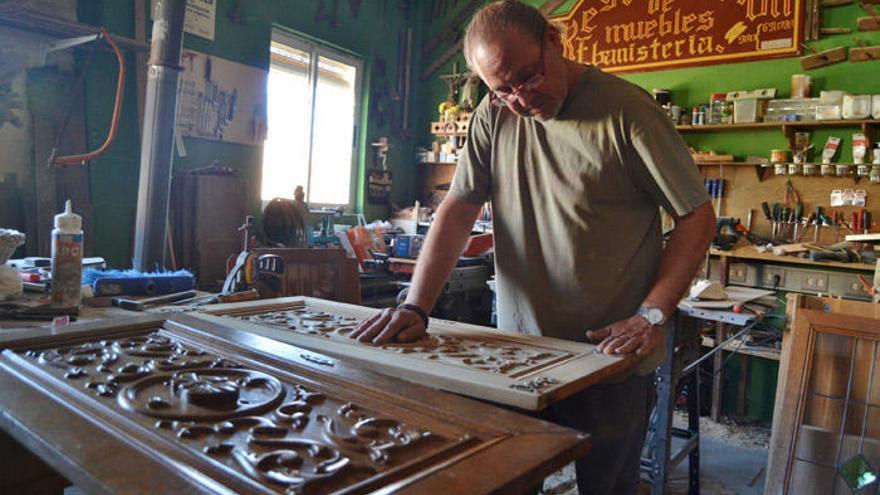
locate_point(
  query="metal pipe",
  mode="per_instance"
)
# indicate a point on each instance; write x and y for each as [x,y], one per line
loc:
[157,143]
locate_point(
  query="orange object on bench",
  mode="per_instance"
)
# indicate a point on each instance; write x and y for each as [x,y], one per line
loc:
[478,244]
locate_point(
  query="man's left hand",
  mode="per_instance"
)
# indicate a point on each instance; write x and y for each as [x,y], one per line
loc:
[631,336]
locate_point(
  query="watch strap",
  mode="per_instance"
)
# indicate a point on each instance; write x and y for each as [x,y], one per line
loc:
[417,310]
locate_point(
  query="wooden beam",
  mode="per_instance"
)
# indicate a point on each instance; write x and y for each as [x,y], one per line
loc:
[550,6]
[452,28]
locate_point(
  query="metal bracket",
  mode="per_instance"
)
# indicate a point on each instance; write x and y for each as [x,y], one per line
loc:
[64,44]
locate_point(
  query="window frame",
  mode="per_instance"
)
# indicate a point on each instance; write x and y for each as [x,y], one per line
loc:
[317,49]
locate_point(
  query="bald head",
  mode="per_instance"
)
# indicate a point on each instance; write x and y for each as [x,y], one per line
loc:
[498,18]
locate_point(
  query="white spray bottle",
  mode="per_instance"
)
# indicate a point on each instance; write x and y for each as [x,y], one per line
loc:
[67,251]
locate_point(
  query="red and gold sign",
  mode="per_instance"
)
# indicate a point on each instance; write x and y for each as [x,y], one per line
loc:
[643,35]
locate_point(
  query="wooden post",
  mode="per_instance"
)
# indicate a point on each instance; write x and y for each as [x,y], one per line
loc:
[717,378]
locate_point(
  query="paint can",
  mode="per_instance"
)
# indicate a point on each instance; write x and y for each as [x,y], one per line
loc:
[778,156]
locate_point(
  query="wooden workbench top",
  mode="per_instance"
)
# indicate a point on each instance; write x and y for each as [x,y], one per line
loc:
[750,253]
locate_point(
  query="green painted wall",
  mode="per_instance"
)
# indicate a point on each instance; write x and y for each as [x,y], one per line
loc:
[245,39]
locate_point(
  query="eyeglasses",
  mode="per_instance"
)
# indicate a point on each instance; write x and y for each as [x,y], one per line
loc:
[503,97]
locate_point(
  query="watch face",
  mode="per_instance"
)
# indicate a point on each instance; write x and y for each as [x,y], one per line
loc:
[654,316]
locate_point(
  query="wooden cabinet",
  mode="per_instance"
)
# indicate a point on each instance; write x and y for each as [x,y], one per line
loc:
[323,273]
[205,213]
[504,367]
[826,426]
[149,405]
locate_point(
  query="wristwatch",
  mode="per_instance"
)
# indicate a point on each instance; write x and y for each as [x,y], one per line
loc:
[652,314]
[417,310]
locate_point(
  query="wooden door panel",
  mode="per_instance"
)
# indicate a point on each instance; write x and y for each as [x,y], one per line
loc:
[183,405]
[828,402]
[504,367]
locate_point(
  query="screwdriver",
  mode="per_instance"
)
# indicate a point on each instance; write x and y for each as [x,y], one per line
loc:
[787,217]
[765,207]
[820,220]
[777,216]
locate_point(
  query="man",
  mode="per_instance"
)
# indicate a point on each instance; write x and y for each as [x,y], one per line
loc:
[577,164]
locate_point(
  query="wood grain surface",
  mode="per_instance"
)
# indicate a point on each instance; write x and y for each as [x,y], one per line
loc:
[182,405]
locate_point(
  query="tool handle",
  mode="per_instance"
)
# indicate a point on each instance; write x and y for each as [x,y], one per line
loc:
[766,208]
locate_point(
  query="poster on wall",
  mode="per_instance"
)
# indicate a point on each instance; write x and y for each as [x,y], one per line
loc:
[221,100]
[644,35]
[201,15]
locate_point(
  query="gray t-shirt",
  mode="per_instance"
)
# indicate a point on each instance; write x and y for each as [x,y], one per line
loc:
[575,202]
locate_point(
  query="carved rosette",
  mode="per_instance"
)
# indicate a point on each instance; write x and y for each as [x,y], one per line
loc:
[201,395]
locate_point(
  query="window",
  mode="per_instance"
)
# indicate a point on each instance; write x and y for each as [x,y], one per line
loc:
[313,110]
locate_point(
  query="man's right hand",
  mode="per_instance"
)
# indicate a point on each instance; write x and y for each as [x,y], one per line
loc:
[390,325]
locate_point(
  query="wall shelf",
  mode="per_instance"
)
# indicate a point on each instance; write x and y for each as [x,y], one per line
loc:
[800,125]
[762,170]
[728,127]
[868,127]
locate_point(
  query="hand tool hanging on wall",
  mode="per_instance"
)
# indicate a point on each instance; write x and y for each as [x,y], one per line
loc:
[818,59]
[863,52]
[354,8]
[868,23]
[323,15]
[80,159]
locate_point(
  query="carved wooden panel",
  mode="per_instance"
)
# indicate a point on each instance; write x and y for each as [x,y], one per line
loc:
[204,408]
[508,368]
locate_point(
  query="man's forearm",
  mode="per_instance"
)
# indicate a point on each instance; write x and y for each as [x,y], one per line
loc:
[440,253]
[684,251]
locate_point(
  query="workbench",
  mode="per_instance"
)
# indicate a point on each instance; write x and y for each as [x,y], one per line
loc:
[746,266]
[86,314]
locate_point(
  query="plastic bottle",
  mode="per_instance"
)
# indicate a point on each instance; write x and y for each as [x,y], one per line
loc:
[67,247]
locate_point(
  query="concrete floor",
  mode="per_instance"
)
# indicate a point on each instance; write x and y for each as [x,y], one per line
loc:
[725,469]
[733,461]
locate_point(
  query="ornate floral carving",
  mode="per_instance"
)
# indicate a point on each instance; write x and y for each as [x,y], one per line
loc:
[491,356]
[291,436]
[294,463]
[535,385]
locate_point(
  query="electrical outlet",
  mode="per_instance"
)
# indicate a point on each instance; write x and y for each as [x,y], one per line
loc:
[774,278]
[738,273]
[815,282]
